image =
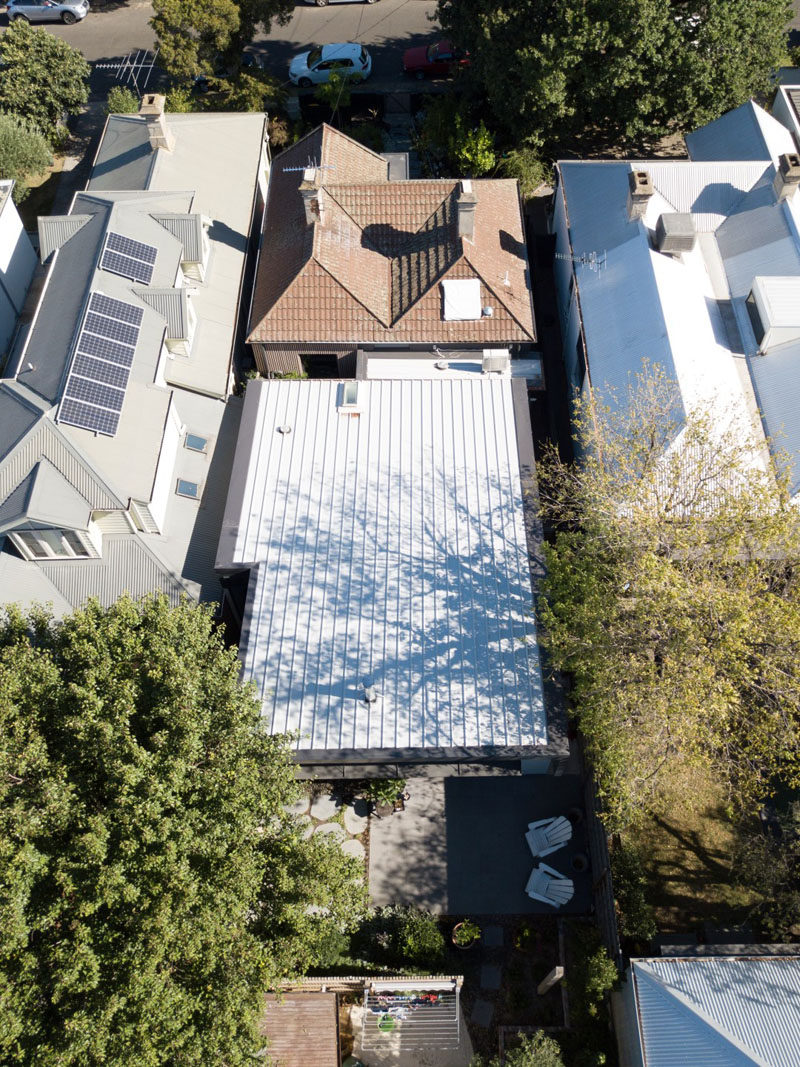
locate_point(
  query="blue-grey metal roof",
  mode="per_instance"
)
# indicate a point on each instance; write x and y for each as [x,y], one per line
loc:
[56,230]
[125,158]
[171,305]
[389,544]
[719,1011]
[746,133]
[776,382]
[188,229]
[45,497]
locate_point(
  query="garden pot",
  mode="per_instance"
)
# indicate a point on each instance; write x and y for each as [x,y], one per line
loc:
[469,944]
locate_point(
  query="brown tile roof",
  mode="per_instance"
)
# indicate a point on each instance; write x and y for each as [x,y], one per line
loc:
[369,270]
[302,1030]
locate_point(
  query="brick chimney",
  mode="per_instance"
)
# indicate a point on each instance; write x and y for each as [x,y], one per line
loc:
[312,197]
[787,178]
[640,189]
[152,109]
[467,202]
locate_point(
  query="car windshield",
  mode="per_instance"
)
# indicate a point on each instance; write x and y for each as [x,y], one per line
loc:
[431,53]
[314,56]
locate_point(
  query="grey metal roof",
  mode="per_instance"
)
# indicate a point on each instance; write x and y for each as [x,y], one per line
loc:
[127,566]
[389,545]
[776,381]
[124,159]
[56,230]
[17,417]
[719,1012]
[189,231]
[746,133]
[45,497]
[171,305]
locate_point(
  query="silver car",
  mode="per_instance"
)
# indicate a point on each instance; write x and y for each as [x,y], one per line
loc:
[67,11]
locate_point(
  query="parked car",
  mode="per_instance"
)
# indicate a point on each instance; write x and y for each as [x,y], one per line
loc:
[324,3]
[67,11]
[434,60]
[315,66]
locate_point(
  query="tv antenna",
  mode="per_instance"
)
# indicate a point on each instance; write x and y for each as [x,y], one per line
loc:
[311,165]
[595,261]
[131,68]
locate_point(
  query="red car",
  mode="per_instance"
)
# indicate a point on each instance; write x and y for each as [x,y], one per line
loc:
[434,60]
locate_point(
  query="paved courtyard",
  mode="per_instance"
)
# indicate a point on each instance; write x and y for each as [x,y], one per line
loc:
[459,846]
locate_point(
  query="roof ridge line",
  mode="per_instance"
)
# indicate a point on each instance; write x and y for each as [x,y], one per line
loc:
[499,298]
[350,293]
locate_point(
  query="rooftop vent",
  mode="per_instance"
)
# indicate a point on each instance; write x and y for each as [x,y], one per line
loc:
[788,176]
[774,309]
[487,311]
[495,361]
[284,429]
[675,233]
[370,694]
[640,189]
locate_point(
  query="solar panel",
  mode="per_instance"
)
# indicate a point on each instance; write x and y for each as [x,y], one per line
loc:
[95,389]
[130,258]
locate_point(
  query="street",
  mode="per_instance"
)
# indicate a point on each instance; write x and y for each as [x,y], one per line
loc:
[111,32]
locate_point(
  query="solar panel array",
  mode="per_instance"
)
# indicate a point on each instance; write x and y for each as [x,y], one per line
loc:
[95,389]
[131,259]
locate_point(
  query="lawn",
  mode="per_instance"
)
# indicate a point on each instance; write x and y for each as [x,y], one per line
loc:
[688,850]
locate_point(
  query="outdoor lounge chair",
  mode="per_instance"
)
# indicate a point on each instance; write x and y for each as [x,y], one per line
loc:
[549,886]
[548,835]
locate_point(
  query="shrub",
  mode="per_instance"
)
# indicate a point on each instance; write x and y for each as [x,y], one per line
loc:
[24,152]
[533,1050]
[122,101]
[384,790]
[529,170]
[636,918]
[367,133]
[466,932]
[179,100]
[401,936]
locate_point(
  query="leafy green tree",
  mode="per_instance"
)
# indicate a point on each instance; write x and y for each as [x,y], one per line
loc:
[768,862]
[151,883]
[596,71]
[528,168]
[672,597]
[532,1050]
[122,101]
[43,79]
[195,36]
[178,99]
[472,149]
[24,152]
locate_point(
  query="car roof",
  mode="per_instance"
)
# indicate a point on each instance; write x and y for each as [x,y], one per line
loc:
[346,50]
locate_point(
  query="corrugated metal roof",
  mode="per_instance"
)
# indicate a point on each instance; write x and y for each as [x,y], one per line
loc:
[709,191]
[719,1012]
[746,133]
[171,305]
[391,548]
[45,497]
[776,381]
[188,229]
[127,566]
[56,230]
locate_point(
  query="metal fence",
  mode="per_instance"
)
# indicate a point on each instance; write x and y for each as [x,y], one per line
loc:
[602,886]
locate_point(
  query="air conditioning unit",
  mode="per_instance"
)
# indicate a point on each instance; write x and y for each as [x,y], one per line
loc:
[496,361]
[675,233]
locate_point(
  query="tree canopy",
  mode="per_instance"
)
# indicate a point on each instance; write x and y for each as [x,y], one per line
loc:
[672,596]
[151,883]
[589,71]
[24,152]
[196,36]
[43,79]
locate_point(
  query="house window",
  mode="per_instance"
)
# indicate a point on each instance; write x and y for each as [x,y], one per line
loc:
[195,443]
[53,544]
[755,318]
[189,489]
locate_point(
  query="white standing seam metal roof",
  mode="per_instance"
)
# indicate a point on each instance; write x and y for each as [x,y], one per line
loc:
[391,549]
[719,1011]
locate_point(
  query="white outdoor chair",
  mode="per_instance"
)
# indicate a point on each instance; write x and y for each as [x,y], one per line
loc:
[549,886]
[548,835]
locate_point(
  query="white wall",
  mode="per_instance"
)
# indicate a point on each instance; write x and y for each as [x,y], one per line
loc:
[17,264]
[163,485]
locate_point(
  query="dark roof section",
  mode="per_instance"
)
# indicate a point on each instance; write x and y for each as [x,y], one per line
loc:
[302,1030]
[124,159]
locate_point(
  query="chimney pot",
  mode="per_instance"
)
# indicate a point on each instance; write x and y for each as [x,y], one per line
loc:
[787,177]
[312,196]
[467,202]
[640,189]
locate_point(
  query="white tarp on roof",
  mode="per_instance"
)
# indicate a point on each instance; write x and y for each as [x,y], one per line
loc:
[389,547]
[461,299]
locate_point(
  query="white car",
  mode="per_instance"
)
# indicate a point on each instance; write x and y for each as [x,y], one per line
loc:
[315,66]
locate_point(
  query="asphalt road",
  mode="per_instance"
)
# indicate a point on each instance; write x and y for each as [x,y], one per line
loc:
[111,32]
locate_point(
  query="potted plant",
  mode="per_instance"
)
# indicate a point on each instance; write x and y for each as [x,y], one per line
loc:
[383,794]
[466,933]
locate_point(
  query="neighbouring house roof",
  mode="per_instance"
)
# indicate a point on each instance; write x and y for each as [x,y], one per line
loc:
[369,269]
[718,1011]
[745,133]
[302,1029]
[686,314]
[387,544]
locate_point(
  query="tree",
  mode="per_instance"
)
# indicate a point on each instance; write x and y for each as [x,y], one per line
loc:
[768,862]
[24,152]
[151,883]
[196,36]
[122,101]
[589,70]
[43,79]
[672,597]
[534,1050]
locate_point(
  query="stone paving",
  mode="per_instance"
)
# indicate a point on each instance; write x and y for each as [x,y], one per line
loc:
[326,814]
